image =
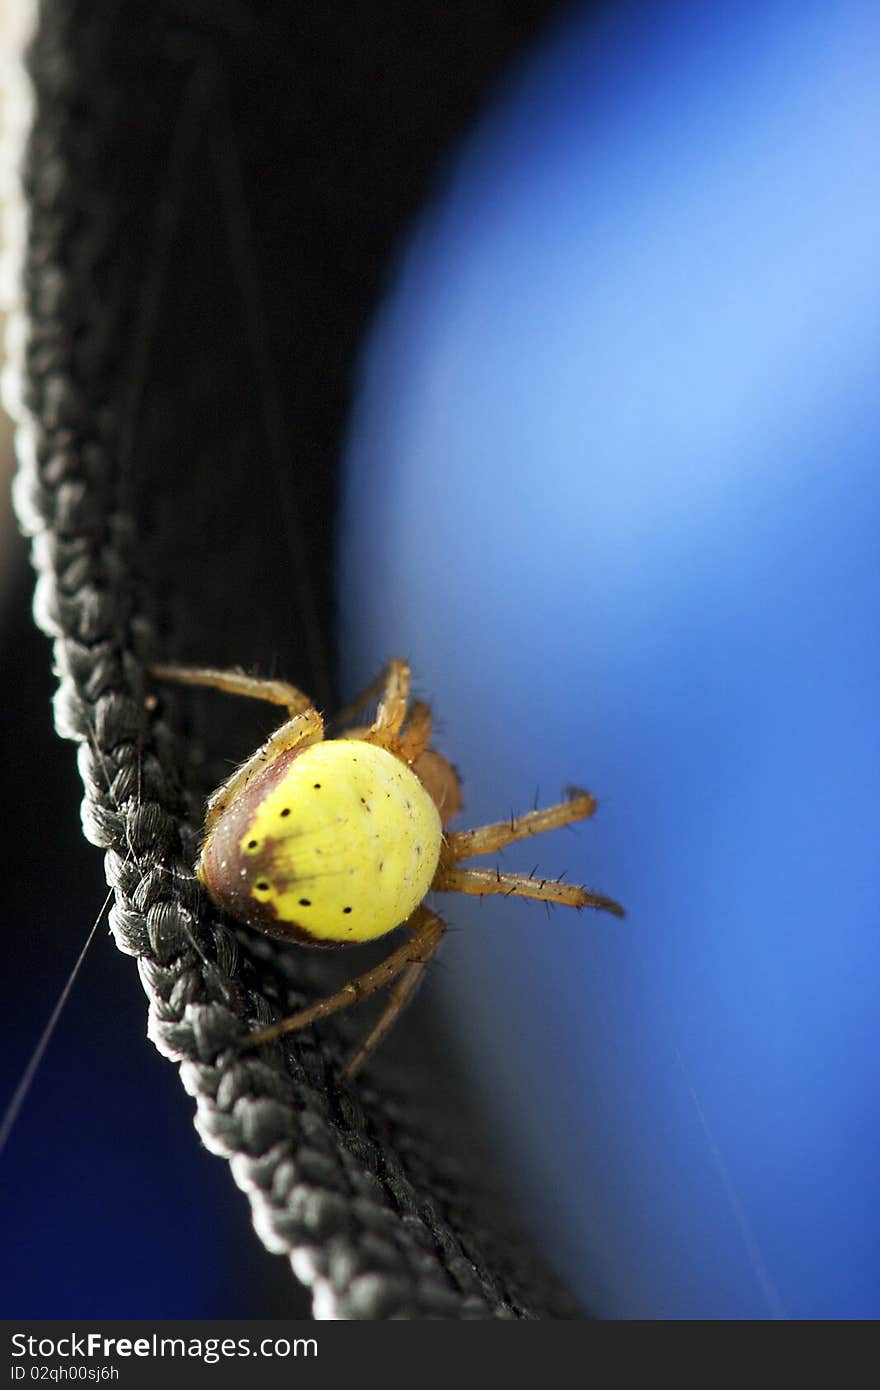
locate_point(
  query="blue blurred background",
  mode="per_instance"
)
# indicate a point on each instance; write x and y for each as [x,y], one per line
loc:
[612,487]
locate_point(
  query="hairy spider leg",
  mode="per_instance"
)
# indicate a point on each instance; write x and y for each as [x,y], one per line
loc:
[392,684]
[387,678]
[399,996]
[486,839]
[408,962]
[304,727]
[415,737]
[392,707]
[482,882]
[298,732]
[274,692]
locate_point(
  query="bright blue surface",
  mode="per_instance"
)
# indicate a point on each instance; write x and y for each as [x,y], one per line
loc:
[613,488]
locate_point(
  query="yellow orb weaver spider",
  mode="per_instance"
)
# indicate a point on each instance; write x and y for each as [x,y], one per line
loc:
[331,842]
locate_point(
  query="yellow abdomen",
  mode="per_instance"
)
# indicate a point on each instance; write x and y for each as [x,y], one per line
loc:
[337,843]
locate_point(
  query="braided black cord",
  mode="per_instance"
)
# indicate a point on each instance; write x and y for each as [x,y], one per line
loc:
[149,427]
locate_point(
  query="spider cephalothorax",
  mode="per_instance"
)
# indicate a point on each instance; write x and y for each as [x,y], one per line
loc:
[336,841]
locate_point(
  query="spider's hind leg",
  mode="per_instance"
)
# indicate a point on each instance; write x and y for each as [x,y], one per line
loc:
[481,882]
[406,965]
[398,997]
[465,844]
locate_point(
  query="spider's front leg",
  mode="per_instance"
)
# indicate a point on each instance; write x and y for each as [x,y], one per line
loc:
[274,692]
[406,965]
[305,725]
[298,732]
[391,688]
[465,844]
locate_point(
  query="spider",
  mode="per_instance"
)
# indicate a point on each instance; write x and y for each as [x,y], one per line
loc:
[332,842]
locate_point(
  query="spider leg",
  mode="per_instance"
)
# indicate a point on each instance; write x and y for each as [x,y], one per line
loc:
[238,683]
[301,730]
[464,844]
[399,996]
[386,678]
[436,774]
[392,707]
[408,745]
[441,781]
[480,882]
[414,739]
[427,931]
